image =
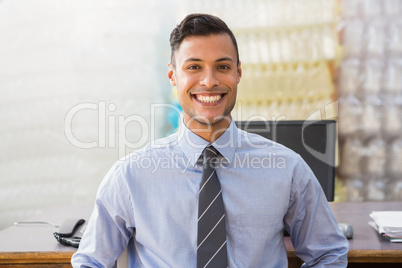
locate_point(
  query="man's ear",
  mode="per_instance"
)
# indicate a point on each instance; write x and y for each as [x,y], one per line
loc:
[171,74]
[239,72]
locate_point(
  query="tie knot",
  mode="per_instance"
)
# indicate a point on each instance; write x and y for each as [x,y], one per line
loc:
[210,155]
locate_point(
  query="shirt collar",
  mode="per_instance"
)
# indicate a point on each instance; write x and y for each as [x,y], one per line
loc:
[193,145]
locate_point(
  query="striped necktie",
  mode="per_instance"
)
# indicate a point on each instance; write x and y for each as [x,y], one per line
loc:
[211,245]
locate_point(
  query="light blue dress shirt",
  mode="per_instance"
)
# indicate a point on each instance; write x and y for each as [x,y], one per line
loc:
[148,202]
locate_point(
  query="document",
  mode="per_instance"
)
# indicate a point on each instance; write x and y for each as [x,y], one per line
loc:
[388,224]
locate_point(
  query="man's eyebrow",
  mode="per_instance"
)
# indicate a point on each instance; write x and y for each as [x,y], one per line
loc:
[225,59]
[218,60]
[192,59]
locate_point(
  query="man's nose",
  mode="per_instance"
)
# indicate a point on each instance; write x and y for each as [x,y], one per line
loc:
[209,79]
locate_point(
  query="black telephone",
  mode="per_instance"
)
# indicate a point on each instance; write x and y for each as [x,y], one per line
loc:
[66,232]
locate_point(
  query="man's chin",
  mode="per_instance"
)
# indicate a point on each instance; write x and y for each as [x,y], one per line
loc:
[212,121]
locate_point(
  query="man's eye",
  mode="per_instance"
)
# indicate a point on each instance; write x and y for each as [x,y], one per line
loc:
[193,67]
[224,67]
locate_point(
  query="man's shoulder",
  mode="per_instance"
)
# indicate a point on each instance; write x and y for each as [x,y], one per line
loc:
[163,147]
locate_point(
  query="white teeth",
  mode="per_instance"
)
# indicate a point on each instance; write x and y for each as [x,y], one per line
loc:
[208,99]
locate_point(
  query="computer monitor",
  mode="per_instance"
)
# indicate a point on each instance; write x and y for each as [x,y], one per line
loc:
[313,140]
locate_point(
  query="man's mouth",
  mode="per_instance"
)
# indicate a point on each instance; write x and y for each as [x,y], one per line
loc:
[208,98]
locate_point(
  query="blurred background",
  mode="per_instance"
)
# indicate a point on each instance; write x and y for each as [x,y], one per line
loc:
[83,83]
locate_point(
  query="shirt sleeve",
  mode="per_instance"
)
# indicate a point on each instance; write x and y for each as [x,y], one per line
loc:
[313,229]
[110,226]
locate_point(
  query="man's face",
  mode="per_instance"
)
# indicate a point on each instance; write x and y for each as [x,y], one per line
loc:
[206,75]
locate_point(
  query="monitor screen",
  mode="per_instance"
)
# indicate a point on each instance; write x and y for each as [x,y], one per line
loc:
[313,140]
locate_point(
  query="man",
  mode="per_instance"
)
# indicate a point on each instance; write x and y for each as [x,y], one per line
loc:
[150,202]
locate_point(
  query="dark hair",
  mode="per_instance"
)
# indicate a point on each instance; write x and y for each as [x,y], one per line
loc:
[199,25]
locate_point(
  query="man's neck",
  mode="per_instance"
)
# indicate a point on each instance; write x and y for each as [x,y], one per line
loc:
[209,132]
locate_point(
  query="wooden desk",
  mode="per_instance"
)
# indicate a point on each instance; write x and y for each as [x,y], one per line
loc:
[367,248]
[35,246]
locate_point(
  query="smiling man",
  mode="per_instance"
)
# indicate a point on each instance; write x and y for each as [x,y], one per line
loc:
[206,71]
[205,197]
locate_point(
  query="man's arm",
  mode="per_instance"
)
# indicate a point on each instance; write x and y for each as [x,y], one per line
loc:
[312,227]
[108,230]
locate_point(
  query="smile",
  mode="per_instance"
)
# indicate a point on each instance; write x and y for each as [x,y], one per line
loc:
[208,98]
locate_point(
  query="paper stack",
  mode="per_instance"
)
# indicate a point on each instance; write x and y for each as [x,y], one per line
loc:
[388,224]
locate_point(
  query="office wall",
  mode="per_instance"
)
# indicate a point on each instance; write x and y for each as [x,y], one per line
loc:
[77,84]
[370,100]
